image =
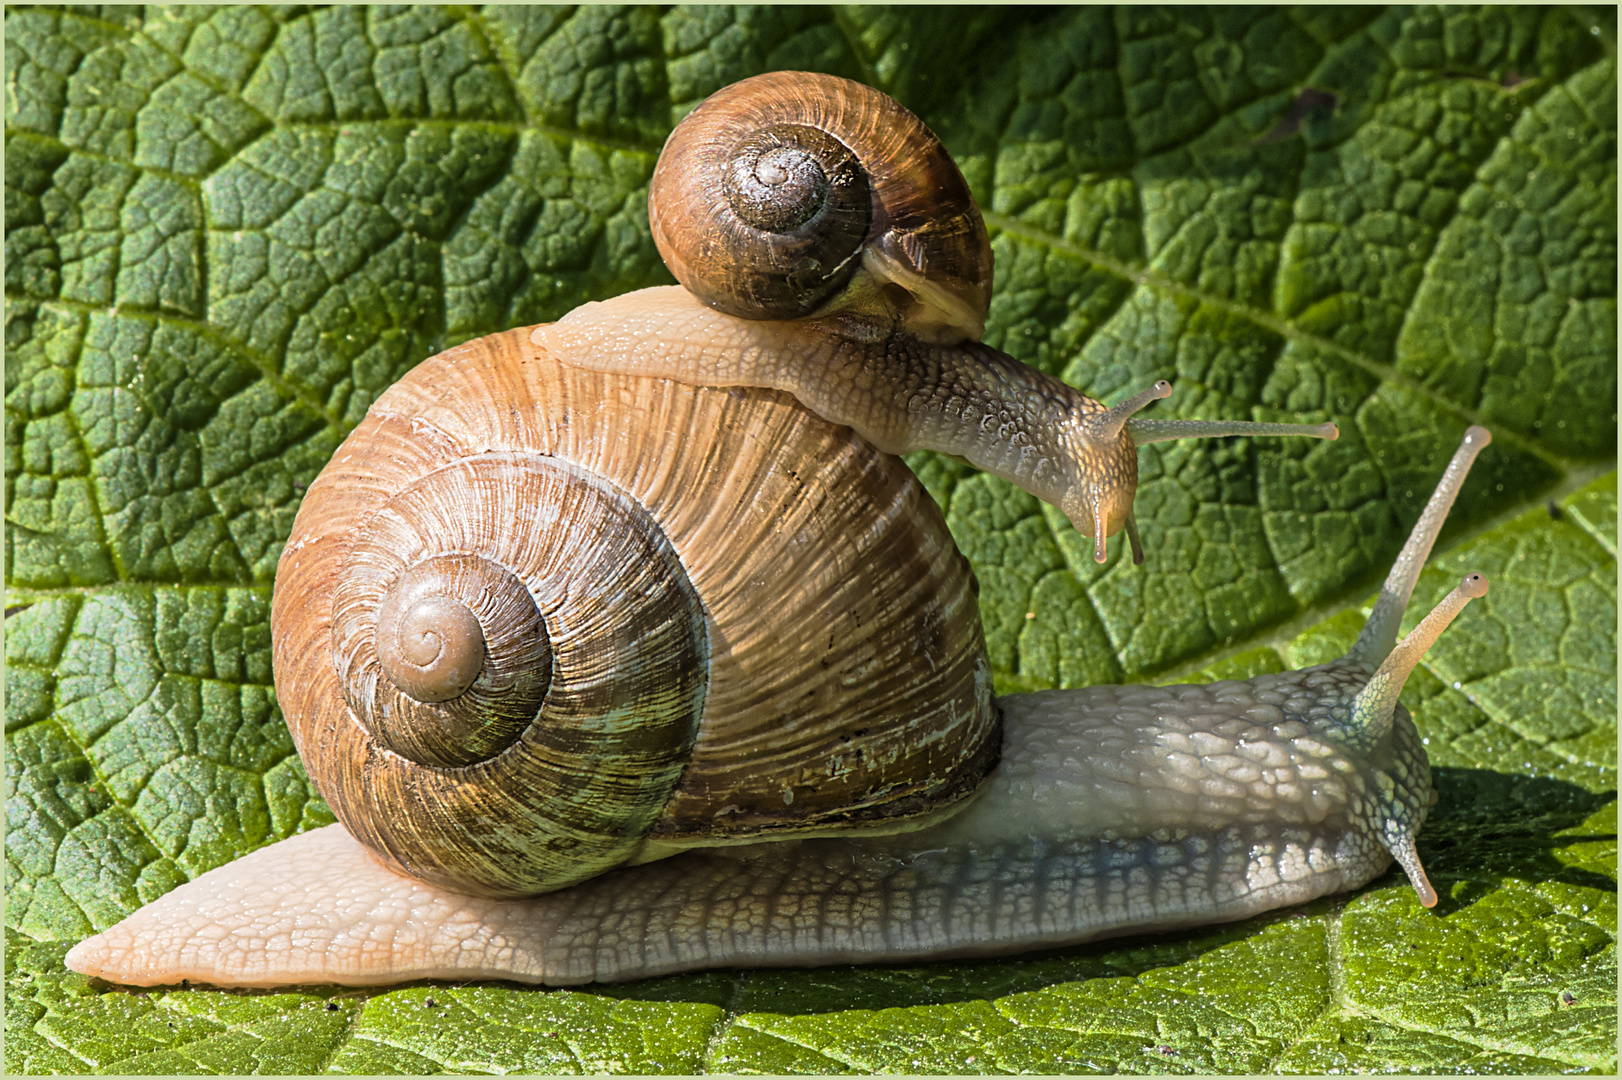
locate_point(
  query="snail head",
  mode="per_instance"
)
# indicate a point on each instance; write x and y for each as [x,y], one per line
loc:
[1350,705]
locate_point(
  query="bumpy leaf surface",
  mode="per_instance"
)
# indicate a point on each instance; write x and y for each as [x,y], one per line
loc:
[227,230]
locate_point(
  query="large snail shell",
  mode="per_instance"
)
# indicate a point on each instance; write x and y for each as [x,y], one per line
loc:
[767,195]
[530,616]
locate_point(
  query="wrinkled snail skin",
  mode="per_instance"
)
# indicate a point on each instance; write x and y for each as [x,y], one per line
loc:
[1114,810]
[1082,832]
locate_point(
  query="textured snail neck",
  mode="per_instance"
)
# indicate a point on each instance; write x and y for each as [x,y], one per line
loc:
[433,649]
[899,393]
[857,363]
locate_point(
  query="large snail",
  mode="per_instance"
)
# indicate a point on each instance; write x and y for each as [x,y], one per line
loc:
[610,671]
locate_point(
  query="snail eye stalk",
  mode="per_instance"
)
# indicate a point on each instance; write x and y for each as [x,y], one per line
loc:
[1375,704]
[1380,632]
[1110,493]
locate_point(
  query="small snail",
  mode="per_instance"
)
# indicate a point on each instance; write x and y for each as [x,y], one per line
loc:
[702,666]
[875,323]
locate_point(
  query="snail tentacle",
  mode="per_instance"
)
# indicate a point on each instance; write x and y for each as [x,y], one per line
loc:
[1379,634]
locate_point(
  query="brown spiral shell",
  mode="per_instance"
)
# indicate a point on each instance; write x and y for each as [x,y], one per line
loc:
[696,615]
[766,195]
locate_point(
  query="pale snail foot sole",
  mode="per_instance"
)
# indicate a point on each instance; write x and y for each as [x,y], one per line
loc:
[316,908]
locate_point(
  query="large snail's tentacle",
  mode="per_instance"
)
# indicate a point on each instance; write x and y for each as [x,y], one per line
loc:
[1376,702]
[1380,632]
[1373,713]
[1368,724]
[898,392]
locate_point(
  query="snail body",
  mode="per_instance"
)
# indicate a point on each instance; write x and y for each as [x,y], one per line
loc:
[1079,834]
[764,735]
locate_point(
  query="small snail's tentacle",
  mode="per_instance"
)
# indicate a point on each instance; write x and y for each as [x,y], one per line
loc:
[1104,429]
[1377,702]
[1100,538]
[1107,427]
[1380,632]
[1153,431]
[1132,537]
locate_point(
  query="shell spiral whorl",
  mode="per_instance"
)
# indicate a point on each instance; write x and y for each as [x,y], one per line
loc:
[530,717]
[789,176]
[531,617]
[803,197]
[451,692]
[431,647]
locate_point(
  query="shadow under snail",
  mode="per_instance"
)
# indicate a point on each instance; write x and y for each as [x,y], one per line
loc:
[625,645]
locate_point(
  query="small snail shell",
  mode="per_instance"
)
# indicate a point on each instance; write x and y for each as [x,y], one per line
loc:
[531,618]
[772,192]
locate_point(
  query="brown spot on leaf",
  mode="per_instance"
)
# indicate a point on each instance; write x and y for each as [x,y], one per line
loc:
[1308,101]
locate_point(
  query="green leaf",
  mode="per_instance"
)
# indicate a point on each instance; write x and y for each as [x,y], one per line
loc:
[227,230]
